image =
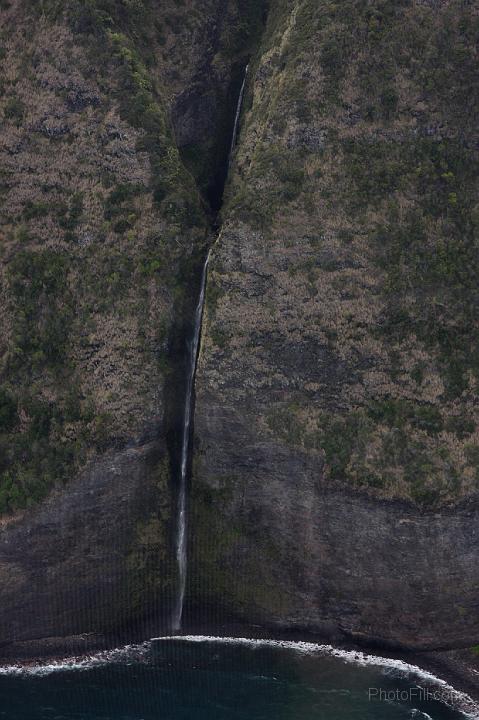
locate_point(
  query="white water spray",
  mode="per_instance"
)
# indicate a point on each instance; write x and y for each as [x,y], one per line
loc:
[237,117]
[181,539]
[141,654]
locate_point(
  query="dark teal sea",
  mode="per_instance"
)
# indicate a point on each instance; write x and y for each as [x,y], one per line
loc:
[187,680]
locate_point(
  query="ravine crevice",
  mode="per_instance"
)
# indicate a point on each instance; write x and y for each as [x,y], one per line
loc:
[205,120]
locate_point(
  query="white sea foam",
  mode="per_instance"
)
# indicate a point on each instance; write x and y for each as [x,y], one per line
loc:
[459,699]
[130,654]
[125,655]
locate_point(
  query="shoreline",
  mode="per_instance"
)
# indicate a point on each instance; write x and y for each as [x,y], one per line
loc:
[457,670]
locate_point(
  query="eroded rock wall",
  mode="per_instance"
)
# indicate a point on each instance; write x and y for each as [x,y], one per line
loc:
[104,222]
[336,414]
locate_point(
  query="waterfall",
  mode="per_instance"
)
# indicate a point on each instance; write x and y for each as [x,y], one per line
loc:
[181,539]
[237,117]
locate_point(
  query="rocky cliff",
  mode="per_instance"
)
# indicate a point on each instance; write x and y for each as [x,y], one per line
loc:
[336,463]
[336,444]
[116,120]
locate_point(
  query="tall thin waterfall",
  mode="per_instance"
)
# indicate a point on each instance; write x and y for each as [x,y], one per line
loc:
[237,116]
[181,539]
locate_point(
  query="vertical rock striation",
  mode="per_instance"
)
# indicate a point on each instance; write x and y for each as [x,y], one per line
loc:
[105,217]
[336,444]
[336,463]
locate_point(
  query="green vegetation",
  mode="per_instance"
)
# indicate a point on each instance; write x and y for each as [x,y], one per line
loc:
[45,435]
[214,292]
[246,35]
[33,210]
[8,411]
[219,337]
[44,438]
[39,457]
[119,37]
[69,215]
[285,181]
[364,71]
[173,188]
[97,16]
[14,110]
[363,116]
[396,413]
[461,425]
[428,252]
[42,307]
[120,207]
[386,446]
[371,44]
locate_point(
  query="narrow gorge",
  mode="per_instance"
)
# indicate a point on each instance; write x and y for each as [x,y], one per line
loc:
[185,458]
[238,354]
[181,541]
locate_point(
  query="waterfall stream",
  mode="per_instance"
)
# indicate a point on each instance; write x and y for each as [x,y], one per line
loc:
[193,345]
[181,555]
[237,117]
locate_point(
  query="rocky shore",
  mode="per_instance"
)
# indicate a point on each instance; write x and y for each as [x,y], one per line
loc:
[456,671]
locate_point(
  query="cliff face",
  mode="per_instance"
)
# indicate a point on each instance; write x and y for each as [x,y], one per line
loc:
[107,109]
[336,464]
[336,443]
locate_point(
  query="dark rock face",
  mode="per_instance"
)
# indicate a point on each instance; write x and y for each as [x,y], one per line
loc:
[336,460]
[290,553]
[335,487]
[94,554]
[203,112]
[287,551]
[91,371]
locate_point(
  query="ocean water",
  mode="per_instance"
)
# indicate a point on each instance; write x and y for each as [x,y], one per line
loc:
[207,679]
